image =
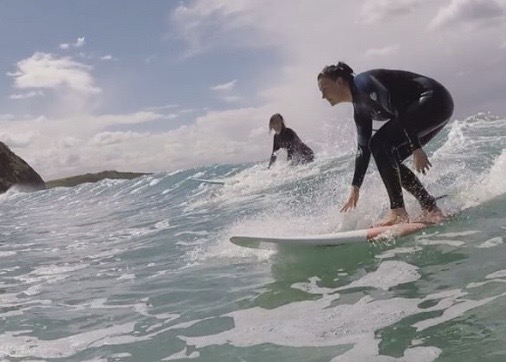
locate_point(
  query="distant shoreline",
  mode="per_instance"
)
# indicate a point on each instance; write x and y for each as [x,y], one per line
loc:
[92,177]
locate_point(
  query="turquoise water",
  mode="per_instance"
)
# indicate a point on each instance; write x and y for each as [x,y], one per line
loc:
[142,270]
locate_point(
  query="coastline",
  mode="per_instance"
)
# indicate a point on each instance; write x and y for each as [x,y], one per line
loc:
[92,177]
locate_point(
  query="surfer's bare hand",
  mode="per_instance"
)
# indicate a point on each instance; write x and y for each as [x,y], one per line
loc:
[352,199]
[421,162]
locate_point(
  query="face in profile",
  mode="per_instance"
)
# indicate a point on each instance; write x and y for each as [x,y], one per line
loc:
[331,90]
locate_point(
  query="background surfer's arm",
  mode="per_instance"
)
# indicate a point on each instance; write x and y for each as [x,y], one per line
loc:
[275,147]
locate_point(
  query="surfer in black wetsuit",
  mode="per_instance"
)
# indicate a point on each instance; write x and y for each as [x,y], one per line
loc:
[414,108]
[297,151]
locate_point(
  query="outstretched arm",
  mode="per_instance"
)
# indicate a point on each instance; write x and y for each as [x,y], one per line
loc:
[272,160]
[275,147]
[362,158]
[351,203]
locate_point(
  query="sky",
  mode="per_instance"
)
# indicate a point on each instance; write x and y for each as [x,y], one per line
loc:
[159,86]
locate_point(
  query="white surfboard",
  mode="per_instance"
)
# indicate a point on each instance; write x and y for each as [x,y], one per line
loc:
[206,181]
[339,238]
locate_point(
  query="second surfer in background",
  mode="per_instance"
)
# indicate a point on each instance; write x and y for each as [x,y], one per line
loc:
[297,151]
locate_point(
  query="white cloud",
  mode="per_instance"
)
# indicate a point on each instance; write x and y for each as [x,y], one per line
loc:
[231,99]
[219,137]
[469,11]
[73,86]
[78,44]
[67,142]
[380,10]
[159,108]
[225,90]
[225,86]
[106,57]
[27,95]
[205,24]
[70,160]
[381,52]
[111,138]
[157,114]
[6,117]
[170,116]
[133,118]
[63,147]
[44,70]
[19,140]
[185,111]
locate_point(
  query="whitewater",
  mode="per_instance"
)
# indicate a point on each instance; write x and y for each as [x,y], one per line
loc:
[143,269]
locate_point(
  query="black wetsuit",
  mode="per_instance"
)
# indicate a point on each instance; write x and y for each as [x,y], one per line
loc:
[298,152]
[415,108]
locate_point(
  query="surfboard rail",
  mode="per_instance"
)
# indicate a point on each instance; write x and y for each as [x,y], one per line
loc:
[338,238]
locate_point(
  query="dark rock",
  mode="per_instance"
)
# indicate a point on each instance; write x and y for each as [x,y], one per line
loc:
[15,171]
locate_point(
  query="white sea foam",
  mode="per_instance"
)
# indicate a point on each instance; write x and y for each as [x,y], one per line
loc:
[4,254]
[126,276]
[393,252]
[497,274]
[453,312]
[490,243]
[459,234]
[317,323]
[22,345]
[367,350]
[184,354]
[198,233]
[388,275]
[454,243]
[312,288]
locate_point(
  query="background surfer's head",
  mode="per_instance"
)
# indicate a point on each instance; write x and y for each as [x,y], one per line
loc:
[276,123]
[334,83]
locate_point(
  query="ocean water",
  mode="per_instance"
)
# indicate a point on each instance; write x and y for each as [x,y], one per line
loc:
[142,270]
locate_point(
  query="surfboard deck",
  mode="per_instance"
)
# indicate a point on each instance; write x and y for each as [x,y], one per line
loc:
[339,238]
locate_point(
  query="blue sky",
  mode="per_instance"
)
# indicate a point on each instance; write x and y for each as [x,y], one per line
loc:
[164,85]
[138,59]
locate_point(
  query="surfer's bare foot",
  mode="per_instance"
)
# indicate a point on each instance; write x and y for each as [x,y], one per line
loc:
[394,216]
[434,216]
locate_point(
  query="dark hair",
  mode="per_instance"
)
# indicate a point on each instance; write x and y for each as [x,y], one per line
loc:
[333,72]
[274,117]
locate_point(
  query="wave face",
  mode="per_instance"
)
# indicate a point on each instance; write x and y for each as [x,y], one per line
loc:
[142,270]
